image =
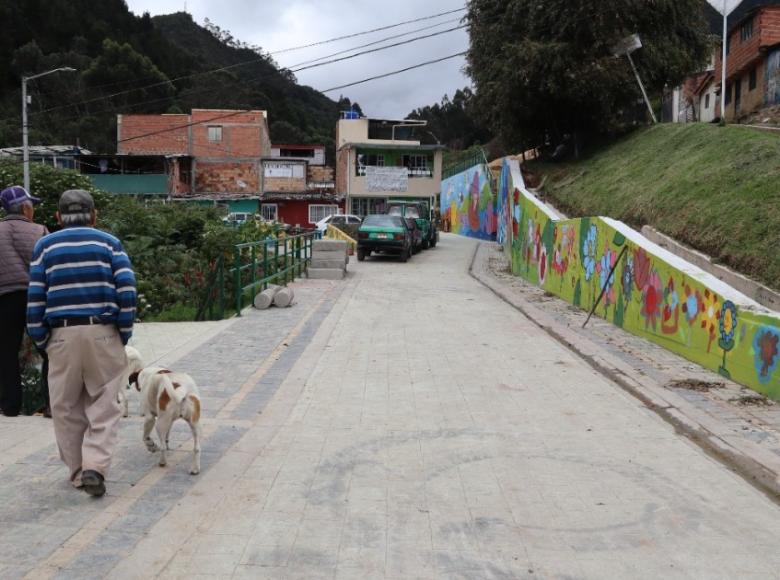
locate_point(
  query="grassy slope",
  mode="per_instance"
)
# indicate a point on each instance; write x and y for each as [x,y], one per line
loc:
[715,189]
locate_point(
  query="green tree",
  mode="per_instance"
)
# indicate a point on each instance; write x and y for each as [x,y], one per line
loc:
[546,69]
[454,122]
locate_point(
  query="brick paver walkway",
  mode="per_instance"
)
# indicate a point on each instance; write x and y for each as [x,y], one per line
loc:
[402,424]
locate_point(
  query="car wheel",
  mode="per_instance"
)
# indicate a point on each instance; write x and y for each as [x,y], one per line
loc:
[426,244]
[361,255]
[433,242]
[403,256]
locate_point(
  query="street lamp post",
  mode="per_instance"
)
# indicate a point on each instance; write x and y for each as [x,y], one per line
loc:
[25,143]
[627,46]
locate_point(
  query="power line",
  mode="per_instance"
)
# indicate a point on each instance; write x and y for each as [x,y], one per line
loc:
[377,49]
[380,41]
[368,31]
[399,71]
[300,68]
[177,127]
[231,66]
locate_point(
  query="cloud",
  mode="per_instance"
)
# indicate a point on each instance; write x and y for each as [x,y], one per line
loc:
[279,24]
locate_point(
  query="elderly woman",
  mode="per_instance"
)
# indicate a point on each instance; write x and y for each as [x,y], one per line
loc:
[18,235]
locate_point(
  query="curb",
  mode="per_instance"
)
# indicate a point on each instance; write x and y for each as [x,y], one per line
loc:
[760,468]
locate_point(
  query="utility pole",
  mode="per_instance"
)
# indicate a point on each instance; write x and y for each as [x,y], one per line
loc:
[25,135]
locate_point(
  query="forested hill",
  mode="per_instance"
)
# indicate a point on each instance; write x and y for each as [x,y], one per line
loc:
[119,55]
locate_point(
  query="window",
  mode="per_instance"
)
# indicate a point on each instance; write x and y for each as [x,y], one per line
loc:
[269,211]
[728,93]
[363,206]
[215,133]
[353,220]
[707,101]
[752,79]
[319,212]
[418,165]
[369,160]
[746,31]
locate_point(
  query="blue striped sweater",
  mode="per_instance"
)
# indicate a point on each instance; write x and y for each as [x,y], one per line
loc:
[79,272]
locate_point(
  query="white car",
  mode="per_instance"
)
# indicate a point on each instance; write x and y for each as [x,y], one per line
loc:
[337,219]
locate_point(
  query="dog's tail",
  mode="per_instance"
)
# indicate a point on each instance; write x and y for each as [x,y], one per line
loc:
[176,394]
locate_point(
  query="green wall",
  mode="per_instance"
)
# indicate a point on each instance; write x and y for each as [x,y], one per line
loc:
[652,293]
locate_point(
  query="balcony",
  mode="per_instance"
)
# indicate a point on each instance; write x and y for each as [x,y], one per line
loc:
[411,172]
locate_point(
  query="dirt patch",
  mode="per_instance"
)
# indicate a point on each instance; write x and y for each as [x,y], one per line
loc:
[695,385]
[751,401]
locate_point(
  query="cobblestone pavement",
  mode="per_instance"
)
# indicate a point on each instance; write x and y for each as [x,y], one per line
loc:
[405,423]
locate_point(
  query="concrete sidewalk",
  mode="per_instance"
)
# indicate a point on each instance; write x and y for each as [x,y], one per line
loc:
[730,421]
[405,423]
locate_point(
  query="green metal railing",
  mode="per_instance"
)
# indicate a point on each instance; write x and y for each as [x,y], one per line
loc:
[275,260]
[460,161]
[283,259]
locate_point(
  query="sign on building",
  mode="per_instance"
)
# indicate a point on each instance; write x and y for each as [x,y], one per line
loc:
[387,179]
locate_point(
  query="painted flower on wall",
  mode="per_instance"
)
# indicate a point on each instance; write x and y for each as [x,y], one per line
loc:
[766,352]
[641,269]
[607,276]
[589,259]
[627,279]
[671,310]
[710,316]
[693,304]
[517,216]
[728,328]
[542,265]
[728,324]
[652,299]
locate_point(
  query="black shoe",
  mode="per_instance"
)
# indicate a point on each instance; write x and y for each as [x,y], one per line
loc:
[11,413]
[93,483]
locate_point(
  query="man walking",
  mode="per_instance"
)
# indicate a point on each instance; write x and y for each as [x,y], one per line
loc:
[81,308]
[18,235]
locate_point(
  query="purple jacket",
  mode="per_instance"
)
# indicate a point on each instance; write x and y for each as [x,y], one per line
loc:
[17,239]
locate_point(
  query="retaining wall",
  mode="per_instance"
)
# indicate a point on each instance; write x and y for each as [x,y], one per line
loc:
[652,293]
[469,204]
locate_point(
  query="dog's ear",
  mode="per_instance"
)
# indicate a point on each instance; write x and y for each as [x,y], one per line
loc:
[134,379]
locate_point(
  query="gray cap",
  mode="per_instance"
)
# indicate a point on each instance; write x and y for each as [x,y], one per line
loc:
[76,201]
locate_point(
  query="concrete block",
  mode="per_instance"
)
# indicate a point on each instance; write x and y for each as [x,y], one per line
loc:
[330,246]
[265,298]
[328,263]
[284,297]
[326,274]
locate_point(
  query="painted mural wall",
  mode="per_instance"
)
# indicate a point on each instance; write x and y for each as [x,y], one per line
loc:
[647,290]
[468,203]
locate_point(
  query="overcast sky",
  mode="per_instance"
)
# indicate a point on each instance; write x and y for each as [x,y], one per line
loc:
[280,24]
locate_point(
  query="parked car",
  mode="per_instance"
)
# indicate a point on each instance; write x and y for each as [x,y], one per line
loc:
[337,219]
[384,233]
[416,233]
[238,218]
[420,211]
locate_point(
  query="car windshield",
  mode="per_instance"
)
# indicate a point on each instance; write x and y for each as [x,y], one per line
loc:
[395,210]
[412,212]
[383,221]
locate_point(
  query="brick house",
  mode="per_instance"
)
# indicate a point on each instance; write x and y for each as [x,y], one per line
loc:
[298,187]
[753,61]
[224,149]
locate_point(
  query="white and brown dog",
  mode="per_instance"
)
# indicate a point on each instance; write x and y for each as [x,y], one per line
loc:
[134,362]
[165,397]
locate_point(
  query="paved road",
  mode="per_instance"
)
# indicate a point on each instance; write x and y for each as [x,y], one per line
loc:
[408,425]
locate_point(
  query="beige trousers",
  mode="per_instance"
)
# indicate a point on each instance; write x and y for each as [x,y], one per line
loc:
[87,365]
